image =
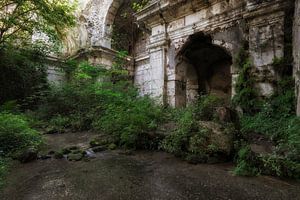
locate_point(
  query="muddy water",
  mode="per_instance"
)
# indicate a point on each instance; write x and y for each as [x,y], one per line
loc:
[142,176]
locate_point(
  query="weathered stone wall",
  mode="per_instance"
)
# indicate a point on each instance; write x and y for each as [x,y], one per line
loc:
[160,68]
[228,23]
[94,25]
[296,45]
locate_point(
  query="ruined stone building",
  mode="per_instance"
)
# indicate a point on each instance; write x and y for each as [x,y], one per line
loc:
[182,48]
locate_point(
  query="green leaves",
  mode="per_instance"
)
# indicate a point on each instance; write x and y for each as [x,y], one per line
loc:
[15,134]
[19,19]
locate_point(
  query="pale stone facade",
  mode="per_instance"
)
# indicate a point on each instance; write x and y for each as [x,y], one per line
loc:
[228,24]
[91,38]
[188,47]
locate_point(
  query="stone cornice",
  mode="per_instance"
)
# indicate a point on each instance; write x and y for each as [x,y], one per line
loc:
[265,8]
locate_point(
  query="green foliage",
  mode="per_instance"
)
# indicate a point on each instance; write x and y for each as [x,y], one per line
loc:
[275,115]
[22,74]
[246,163]
[19,19]
[177,142]
[125,30]
[103,100]
[246,95]
[4,165]
[16,134]
[190,140]
[129,118]
[206,107]
[9,106]
[140,5]
[275,120]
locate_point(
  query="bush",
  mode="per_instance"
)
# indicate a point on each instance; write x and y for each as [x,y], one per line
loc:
[111,106]
[195,140]
[16,135]
[246,163]
[206,107]
[22,73]
[3,170]
[246,95]
[130,119]
[275,120]
[177,142]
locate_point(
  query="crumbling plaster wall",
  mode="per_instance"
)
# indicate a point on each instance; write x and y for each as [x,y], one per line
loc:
[94,25]
[228,22]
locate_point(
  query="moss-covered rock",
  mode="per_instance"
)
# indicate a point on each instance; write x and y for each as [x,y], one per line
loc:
[27,155]
[58,155]
[112,146]
[103,140]
[75,156]
[99,149]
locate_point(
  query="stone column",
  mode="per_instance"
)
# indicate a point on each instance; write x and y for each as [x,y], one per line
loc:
[296,45]
[158,71]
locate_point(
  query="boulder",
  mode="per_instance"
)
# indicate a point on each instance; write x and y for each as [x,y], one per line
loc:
[28,155]
[102,140]
[75,157]
[99,148]
[112,146]
[58,155]
[226,114]
[44,157]
[212,143]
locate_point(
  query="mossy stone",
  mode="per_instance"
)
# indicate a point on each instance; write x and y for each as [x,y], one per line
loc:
[112,146]
[75,157]
[58,155]
[99,148]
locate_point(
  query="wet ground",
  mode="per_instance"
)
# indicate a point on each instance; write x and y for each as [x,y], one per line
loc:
[141,176]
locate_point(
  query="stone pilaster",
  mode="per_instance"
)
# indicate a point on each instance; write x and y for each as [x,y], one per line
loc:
[296,45]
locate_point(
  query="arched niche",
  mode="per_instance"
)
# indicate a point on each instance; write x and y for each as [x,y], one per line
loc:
[203,68]
[114,6]
[120,29]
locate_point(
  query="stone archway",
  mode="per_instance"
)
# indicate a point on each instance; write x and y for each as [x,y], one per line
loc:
[203,68]
[109,19]
[120,30]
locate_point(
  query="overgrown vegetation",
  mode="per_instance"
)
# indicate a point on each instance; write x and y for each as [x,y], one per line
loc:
[194,137]
[20,19]
[28,31]
[246,94]
[110,106]
[3,170]
[22,73]
[271,118]
[16,137]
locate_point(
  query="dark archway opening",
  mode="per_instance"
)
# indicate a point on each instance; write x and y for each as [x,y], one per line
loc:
[125,30]
[207,68]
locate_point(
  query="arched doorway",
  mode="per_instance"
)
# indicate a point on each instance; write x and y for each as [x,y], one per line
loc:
[203,68]
[120,25]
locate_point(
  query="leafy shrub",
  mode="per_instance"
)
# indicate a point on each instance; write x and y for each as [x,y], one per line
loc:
[3,170]
[16,135]
[106,101]
[22,73]
[138,6]
[177,142]
[275,120]
[246,163]
[130,119]
[246,95]
[193,140]
[206,107]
